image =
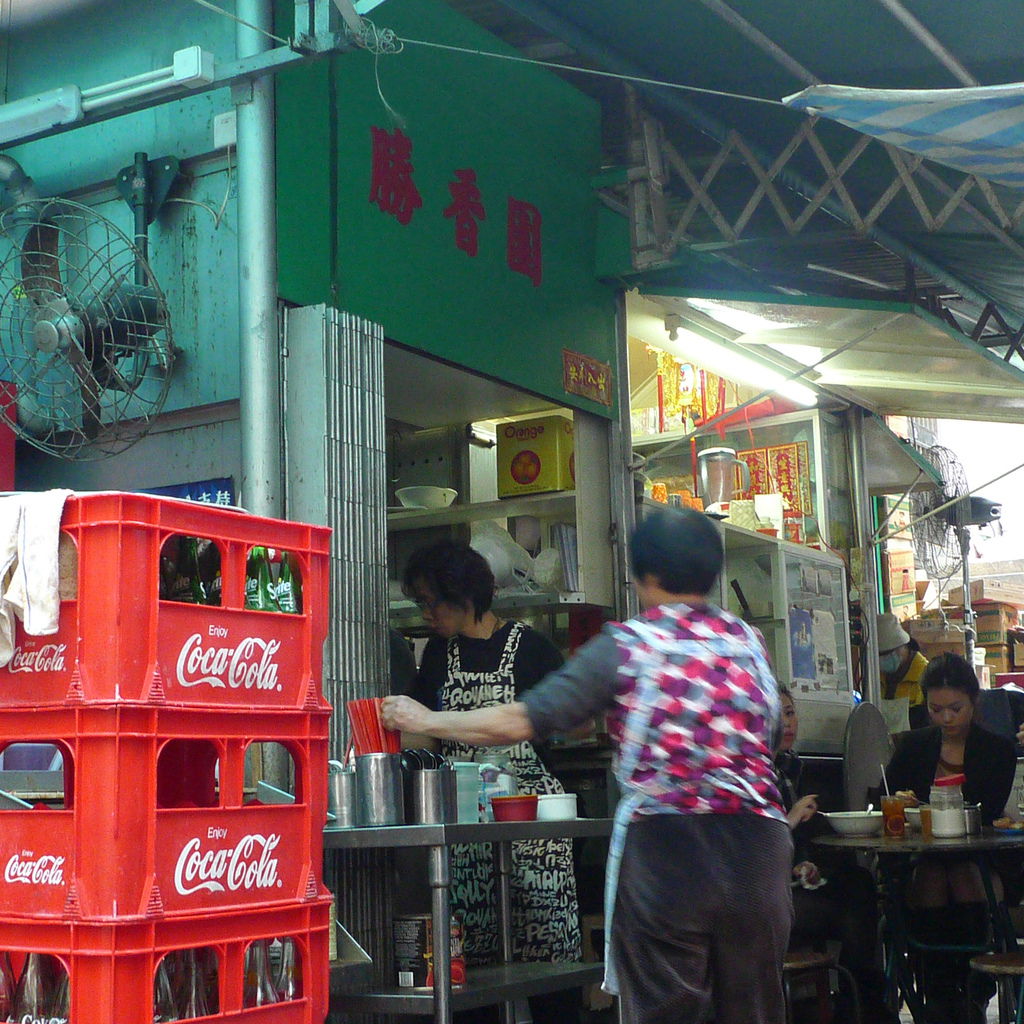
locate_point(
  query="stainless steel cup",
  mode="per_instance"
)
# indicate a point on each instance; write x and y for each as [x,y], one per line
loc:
[341,797]
[432,796]
[379,799]
[972,819]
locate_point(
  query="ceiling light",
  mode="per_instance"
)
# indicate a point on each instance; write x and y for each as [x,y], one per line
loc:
[37,113]
[751,318]
[729,362]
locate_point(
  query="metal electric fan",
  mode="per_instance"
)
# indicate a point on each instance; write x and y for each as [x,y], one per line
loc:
[939,538]
[85,336]
[940,522]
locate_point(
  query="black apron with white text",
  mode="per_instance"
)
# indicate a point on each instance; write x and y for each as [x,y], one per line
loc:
[545,914]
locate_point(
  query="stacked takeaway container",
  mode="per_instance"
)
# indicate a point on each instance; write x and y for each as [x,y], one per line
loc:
[160,880]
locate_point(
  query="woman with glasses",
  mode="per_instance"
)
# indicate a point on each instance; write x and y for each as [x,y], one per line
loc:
[477,659]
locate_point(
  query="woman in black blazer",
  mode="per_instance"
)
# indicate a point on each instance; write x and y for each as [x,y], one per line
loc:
[946,896]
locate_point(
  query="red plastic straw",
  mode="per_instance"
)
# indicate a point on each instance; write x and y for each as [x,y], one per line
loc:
[367,729]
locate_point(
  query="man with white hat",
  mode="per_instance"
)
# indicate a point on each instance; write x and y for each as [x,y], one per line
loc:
[899,660]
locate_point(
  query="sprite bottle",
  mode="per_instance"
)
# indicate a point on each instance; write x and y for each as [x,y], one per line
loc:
[259,583]
[289,587]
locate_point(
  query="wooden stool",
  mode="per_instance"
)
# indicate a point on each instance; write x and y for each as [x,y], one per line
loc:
[809,961]
[1003,967]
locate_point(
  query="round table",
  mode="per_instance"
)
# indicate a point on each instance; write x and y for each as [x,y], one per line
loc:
[894,867]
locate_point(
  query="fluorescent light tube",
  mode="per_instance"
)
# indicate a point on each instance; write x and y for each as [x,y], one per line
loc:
[37,113]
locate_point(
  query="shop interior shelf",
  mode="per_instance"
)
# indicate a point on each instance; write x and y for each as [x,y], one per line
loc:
[559,504]
[484,987]
[406,614]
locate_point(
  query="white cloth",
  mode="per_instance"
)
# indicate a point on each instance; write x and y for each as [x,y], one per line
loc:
[29,577]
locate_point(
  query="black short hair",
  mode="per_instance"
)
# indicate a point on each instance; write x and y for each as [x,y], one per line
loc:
[454,572]
[950,670]
[680,548]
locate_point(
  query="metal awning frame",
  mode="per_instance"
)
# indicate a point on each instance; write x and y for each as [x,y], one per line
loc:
[660,227]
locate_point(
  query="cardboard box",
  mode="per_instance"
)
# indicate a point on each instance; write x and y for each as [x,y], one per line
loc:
[535,455]
[1017,654]
[994,621]
[933,631]
[997,659]
[990,590]
[933,650]
[900,571]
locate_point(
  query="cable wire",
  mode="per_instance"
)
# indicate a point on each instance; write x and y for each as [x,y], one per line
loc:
[241,21]
[555,66]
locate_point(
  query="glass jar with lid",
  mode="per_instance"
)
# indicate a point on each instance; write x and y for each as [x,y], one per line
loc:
[947,801]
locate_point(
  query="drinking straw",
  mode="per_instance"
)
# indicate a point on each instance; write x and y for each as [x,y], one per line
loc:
[885,781]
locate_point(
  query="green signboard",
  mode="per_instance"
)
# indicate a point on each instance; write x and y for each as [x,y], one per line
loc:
[447,196]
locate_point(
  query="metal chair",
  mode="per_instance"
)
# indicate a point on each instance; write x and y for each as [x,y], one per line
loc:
[810,962]
[1004,967]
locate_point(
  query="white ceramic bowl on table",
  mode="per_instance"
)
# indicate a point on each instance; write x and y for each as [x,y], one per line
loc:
[913,816]
[855,823]
[426,497]
[556,807]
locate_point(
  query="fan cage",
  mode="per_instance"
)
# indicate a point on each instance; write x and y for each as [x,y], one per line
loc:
[84,331]
[936,538]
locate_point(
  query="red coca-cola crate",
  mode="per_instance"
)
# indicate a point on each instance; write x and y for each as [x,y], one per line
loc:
[112,966]
[117,641]
[119,852]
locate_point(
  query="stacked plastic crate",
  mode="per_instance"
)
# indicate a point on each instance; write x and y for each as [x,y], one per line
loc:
[158,846]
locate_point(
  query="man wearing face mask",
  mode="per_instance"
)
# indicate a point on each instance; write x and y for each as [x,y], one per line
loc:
[902,665]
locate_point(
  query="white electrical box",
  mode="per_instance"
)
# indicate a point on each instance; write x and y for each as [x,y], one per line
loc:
[224,130]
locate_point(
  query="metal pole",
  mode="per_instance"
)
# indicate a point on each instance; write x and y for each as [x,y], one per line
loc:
[504,852]
[261,487]
[440,879]
[965,551]
[622,478]
[871,686]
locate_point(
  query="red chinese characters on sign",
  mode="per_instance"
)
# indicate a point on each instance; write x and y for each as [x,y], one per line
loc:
[466,209]
[524,239]
[391,185]
[394,191]
[583,375]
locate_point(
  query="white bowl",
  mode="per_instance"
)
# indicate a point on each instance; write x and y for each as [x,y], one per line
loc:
[556,807]
[855,823]
[913,816]
[426,497]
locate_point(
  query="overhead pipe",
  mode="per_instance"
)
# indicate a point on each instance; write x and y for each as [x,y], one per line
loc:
[545,19]
[20,187]
[262,487]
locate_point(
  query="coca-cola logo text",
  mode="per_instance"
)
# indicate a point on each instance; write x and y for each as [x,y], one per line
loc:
[248,866]
[249,665]
[46,658]
[29,1019]
[44,870]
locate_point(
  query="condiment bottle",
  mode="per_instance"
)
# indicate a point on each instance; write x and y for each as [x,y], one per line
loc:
[947,802]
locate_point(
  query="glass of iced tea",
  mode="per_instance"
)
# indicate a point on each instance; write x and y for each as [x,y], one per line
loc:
[894,818]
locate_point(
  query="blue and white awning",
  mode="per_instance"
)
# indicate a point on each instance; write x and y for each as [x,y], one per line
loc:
[976,130]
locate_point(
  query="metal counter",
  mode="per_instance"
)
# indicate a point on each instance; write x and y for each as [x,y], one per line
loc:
[485,986]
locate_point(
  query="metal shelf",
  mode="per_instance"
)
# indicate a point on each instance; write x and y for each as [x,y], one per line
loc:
[444,835]
[559,504]
[484,987]
[406,614]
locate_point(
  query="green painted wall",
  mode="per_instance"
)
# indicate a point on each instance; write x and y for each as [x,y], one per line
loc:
[525,133]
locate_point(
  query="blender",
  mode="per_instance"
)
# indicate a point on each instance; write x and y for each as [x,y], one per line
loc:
[716,471]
